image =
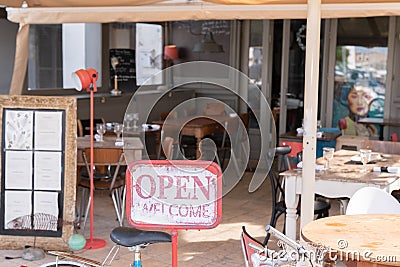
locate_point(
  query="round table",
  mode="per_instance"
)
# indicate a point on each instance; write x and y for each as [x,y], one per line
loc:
[375,239]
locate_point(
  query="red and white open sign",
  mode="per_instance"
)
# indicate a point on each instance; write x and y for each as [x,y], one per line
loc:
[177,194]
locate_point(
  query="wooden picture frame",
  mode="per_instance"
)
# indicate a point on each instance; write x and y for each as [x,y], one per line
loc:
[40,112]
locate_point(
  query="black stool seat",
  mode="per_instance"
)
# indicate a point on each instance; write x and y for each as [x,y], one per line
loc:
[282,150]
[129,237]
[321,208]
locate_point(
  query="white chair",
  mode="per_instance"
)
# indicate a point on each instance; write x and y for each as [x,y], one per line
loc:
[372,200]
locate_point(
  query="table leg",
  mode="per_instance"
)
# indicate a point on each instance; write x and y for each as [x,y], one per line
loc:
[343,205]
[380,132]
[291,200]
[198,140]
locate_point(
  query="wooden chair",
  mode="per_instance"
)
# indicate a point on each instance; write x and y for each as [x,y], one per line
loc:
[394,137]
[185,142]
[239,136]
[165,114]
[83,126]
[209,152]
[350,142]
[244,137]
[387,147]
[167,145]
[214,108]
[107,177]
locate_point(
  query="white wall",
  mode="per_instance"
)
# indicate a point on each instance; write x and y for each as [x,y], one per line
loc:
[82,48]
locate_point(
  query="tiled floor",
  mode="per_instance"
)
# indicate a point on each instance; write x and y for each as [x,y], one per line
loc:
[214,247]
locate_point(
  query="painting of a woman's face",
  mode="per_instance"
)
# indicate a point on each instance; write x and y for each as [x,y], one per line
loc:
[359,100]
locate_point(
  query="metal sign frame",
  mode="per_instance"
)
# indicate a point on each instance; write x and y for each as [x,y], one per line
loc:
[132,187]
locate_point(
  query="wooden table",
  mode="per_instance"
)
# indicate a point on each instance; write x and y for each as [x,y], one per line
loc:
[199,127]
[326,136]
[381,122]
[133,147]
[374,238]
[138,131]
[343,179]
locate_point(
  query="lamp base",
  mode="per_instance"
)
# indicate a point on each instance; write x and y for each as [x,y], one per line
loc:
[115,92]
[95,243]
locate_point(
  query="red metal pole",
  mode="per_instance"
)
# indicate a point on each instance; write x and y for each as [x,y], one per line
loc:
[92,243]
[174,235]
[91,164]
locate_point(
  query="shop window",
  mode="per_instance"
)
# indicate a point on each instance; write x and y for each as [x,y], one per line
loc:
[360,70]
[45,56]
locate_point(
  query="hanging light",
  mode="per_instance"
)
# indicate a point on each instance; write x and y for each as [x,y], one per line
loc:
[208,44]
[170,52]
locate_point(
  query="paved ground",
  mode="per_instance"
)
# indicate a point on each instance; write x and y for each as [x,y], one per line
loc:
[215,247]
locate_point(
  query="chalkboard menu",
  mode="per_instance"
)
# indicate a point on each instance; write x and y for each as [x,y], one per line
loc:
[122,65]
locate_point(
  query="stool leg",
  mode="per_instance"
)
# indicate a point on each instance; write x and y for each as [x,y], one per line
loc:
[86,213]
[114,196]
[84,196]
[123,204]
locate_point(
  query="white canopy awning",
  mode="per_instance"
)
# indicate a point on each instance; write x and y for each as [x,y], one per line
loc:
[101,11]
[104,11]
[110,3]
[170,11]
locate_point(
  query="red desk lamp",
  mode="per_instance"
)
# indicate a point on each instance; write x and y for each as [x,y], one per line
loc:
[83,79]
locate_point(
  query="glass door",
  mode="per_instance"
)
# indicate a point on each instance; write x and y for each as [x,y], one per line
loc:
[360,73]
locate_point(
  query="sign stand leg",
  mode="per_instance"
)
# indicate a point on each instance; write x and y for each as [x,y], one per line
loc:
[174,235]
[142,172]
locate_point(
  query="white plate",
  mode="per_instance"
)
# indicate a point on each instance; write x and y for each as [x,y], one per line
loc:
[374,156]
[318,167]
[356,158]
[151,126]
